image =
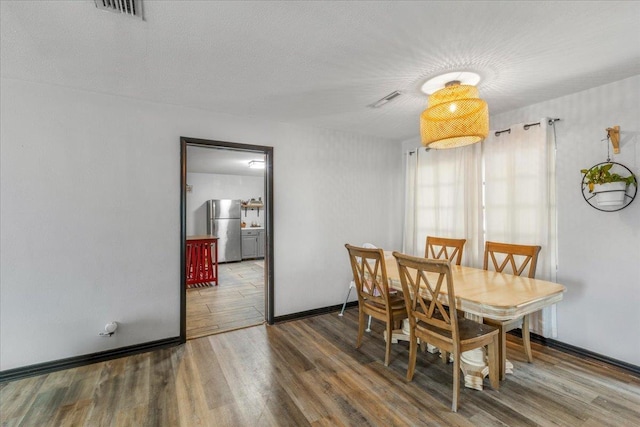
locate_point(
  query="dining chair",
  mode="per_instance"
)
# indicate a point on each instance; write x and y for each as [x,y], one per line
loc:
[444,248]
[352,285]
[374,298]
[428,289]
[519,260]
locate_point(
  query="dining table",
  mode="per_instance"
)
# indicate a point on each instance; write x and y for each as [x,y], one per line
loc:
[484,293]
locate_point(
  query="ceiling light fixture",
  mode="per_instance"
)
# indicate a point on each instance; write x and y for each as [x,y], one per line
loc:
[256,164]
[455,117]
[436,83]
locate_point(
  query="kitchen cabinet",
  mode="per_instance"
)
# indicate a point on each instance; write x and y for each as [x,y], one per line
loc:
[260,243]
[252,243]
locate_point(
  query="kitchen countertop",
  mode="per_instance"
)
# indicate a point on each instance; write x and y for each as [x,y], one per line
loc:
[202,237]
[253,228]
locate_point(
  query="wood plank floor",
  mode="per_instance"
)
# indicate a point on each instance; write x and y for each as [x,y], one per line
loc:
[237,301]
[307,372]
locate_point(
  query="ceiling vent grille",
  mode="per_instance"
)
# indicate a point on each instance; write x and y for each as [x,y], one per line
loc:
[125,7]
[379,103]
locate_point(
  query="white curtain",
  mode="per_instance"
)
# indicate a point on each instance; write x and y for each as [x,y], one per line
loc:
[409,236]
[520,199]
[443,199]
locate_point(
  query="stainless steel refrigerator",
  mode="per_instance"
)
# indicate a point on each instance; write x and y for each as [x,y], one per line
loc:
[223,221]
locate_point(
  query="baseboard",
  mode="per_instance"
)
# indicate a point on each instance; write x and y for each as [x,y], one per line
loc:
[314,312]
[74,362]
[577,351]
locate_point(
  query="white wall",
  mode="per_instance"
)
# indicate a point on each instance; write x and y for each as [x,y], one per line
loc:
[330,189]
[599,252]
[89,215]
[207,186]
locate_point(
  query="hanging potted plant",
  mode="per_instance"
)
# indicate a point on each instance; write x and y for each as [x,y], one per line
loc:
[609,188]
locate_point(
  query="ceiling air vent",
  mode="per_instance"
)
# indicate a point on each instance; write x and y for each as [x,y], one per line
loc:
[379,103]
[125,7]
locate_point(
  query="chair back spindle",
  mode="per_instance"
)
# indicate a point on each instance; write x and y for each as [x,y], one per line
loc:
[512,259]
[434,308]
[444,248]
[369,273]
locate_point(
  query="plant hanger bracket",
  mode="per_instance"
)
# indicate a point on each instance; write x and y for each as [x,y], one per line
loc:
[613,134]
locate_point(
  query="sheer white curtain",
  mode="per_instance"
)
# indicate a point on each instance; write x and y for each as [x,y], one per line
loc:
[409,240]
[520,199]
[443,198]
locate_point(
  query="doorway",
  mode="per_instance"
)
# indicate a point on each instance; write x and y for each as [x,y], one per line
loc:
[229,272]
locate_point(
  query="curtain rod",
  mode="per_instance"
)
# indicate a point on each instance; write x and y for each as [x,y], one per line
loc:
[526,126]
[550,121]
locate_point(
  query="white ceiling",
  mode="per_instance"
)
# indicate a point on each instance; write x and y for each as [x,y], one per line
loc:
[322,63]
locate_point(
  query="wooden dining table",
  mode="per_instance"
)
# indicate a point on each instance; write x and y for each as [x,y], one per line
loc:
[483,293]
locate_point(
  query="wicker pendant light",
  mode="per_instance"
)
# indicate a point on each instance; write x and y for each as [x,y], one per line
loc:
[455,117]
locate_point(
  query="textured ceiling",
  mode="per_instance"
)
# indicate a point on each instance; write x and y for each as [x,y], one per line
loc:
[322,63]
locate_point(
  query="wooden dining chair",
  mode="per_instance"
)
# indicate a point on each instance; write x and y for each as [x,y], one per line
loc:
[374,298]
[428,289]
[352,285]
[443,248]
[520,260]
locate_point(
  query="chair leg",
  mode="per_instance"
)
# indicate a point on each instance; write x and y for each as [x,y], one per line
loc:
[413,351]
[494,365]
[526,339]
[445,356]
[456,381]
[387,354]
[502,351]
[351,285]
[360,326]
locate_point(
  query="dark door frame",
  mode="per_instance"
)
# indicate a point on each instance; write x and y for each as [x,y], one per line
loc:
[268,191]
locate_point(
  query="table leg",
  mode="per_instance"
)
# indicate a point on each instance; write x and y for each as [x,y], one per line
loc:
[396,335]
[215,260]
[404,333]
[473,363]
